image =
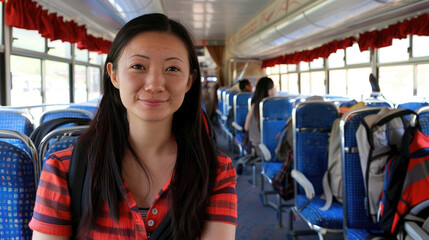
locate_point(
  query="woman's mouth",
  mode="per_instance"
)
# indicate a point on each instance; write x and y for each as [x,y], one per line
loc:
[153,102]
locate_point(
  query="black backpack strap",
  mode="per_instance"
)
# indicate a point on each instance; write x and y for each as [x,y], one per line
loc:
[164,231]
[78,187]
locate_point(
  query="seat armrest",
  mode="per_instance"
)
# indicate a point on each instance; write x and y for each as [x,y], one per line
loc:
[265,152]
[415,231]
[236,126]
[305,183]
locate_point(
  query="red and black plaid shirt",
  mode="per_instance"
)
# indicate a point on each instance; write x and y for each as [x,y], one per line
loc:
[52,214]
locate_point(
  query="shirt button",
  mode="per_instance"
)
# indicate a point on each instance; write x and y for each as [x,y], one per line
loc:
[150,223]
[154,211]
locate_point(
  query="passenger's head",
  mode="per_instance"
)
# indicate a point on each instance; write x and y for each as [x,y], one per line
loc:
[264,88]
[129,59]
[245,85]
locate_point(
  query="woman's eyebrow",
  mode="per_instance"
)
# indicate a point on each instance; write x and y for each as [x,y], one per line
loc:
[173,58]
[139,55]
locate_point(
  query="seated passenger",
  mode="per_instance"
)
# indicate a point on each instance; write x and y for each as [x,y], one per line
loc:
[245,86]
[149,156]
[264,88]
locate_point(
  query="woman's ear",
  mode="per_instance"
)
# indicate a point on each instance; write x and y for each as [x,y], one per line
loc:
[191,80]
[113,75]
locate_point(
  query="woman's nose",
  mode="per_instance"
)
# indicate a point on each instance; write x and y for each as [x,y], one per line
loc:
[155,81]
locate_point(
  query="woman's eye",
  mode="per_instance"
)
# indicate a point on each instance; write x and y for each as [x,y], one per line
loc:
[137,66]
[174,69]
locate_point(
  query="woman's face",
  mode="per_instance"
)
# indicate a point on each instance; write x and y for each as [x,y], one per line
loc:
[152,75]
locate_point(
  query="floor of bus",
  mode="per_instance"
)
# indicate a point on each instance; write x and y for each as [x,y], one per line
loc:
[256,221]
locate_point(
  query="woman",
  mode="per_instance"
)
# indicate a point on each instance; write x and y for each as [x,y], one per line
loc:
[264,88]
[149,152]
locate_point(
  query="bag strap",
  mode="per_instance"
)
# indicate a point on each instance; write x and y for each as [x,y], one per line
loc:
[78,183]
[164,231]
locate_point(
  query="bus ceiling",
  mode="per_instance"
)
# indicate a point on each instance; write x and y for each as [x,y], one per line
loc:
[253,28]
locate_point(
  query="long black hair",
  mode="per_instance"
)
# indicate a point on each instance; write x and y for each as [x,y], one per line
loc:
[261,91]
[107,137]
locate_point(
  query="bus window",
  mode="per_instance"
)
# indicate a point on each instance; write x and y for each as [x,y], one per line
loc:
[305,83]
[355,56]
[57,82]
[95,58]
[303,66]
[293,83]
[59,48]
[358,86]
[318,86]
[420,48]
[338,82]
[26,81]
[336,59]
[316,64]
[283,83]
[80,88]
[81,54]
[422,80]
[28,39]
[94,83]
[396,82]
[396,53]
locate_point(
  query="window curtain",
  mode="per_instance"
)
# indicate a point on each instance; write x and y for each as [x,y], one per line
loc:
[28,15]
[216,52]
[374,39]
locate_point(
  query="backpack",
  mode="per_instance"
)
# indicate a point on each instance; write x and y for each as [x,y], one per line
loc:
[282,182]
[406,186]
[332,182]
[379,138]
[332,179]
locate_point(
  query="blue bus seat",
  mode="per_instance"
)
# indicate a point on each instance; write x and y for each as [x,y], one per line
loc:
[356,223]
[19,184]
[423,113]
[89,108]
[65,113]
[241,108]
[274,113]
[57,140]
[312,123]
[19,121]
[412,105]
[378,102]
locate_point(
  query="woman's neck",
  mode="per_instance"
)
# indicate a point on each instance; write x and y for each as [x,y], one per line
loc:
[151,139]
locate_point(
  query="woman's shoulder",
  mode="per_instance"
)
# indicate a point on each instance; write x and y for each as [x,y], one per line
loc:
[225,171]
[60,159]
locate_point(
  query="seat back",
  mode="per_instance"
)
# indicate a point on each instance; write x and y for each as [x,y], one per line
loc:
[19,121]
[219,109]
[353,185]
[273,114]
[89,108]
[412,105]
[18,192]
[16,120]
[312,122]
[18,186]
[57,140]
[65,113]
[375,102]
[241,108]
[423,113]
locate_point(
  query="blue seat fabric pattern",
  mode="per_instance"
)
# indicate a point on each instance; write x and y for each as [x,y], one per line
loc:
[354,187]
[17,192]
[326,219]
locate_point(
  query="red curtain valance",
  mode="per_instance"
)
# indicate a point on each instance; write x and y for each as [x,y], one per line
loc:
[374,39]
[28,15]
